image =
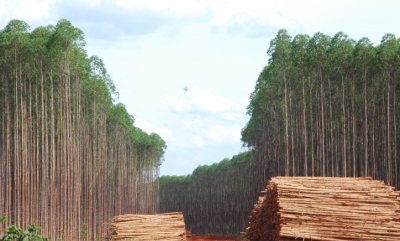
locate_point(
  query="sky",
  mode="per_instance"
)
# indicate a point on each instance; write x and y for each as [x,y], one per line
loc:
[185,68]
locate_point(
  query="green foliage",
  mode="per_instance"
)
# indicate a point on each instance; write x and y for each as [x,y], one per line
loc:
[13,233]
[158,143]
[66,36]
[61,104]
[211,195]
[323,106]
[99,74]
[175,180]
[336,112]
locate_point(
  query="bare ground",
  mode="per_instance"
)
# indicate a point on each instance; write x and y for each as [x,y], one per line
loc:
[213,238]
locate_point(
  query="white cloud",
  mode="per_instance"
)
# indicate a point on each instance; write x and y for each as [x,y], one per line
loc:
[88,2]
[195,124]
[176,142]
[181,7]
[175,104]
[208,102]
[173,140]
[259,26]
[211,132]
[280,21]
[198,100]
[151,128]
[199,141]
[237,117]
[112,19]
[24,9]
[221,133]
[253,18]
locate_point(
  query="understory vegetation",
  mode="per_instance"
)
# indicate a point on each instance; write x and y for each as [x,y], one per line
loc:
[71,156]
[13,233]
[323,106]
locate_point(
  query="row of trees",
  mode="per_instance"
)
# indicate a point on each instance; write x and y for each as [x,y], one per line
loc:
[214,199]
[70,157]
[327,106]
[323,106]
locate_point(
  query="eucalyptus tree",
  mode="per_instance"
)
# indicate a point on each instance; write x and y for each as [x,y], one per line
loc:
[323,106]
[214,199]
[318,59]
[71,157]
[364,55]
[299,58]
[41,64]
[279,52]
[14,45]
[388,59]
[340,59]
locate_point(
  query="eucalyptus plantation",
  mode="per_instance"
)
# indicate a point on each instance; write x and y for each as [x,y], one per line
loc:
[342,98]
[70,156]
[323,106]
[214,199]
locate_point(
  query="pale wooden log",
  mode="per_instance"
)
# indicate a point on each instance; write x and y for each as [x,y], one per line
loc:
[167,226]
[328,208]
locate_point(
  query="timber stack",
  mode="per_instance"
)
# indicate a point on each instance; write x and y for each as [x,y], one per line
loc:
[326,208]
[132,227]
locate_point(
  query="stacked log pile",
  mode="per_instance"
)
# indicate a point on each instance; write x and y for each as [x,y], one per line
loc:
[324,208]
[132,227]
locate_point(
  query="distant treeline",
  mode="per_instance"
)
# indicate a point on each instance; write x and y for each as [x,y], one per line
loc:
[70,156]
[323,106]
[214,199]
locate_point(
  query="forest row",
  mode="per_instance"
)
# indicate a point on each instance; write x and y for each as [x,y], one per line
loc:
[323,106]
[70,156]
[327,106]
[214,199]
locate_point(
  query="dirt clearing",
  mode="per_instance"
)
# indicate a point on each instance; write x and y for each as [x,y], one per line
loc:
[212,238]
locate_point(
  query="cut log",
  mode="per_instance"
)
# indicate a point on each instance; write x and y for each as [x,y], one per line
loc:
[167,226]
[326,208]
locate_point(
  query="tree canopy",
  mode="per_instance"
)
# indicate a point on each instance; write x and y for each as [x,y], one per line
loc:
[214,199]
[327,106]
[71,157]
[323,106]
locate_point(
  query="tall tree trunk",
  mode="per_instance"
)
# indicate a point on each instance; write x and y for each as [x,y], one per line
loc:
[305,171]
[286,128]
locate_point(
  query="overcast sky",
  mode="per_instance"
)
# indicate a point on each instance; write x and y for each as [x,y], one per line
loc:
[185,68]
